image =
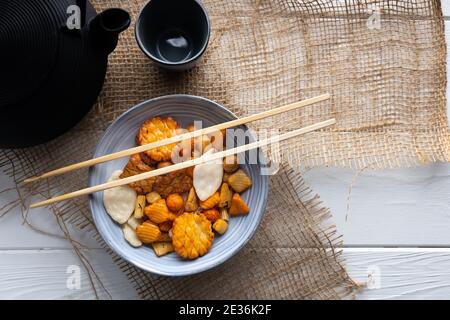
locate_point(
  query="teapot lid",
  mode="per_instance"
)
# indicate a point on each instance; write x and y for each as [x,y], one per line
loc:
[29,47]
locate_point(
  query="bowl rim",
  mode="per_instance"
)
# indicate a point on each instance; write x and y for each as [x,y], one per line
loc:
[228,254]
[198,55]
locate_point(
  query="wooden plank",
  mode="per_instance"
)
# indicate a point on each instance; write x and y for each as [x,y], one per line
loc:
[402,207]
[446,8]
[417,217]
[43,274]
[14,234]
[400,273]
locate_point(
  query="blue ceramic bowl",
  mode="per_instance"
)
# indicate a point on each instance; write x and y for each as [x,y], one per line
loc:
[121,135]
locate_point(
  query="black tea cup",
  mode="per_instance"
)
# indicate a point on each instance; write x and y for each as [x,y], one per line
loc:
[173,33]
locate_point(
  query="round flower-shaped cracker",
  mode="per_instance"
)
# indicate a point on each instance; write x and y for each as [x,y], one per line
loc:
[157,129]
[192,235]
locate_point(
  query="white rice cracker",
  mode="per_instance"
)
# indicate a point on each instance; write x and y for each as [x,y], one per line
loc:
[131,236]
[208,178]
[119,202]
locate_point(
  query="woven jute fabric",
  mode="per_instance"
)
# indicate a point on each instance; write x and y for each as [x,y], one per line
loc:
[383,62]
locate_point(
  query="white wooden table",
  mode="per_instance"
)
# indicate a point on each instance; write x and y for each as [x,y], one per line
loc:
[396,235]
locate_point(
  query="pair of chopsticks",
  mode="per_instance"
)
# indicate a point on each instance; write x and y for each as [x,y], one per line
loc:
[185,164]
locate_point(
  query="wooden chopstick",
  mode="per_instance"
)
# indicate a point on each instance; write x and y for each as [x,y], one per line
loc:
[186,164]
[178,138]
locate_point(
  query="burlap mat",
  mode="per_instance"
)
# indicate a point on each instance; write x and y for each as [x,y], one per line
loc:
[382,61]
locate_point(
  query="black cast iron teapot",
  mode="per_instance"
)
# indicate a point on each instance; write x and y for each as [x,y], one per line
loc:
[53,59]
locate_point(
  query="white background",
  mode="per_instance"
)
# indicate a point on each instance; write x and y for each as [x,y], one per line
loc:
[396,234]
